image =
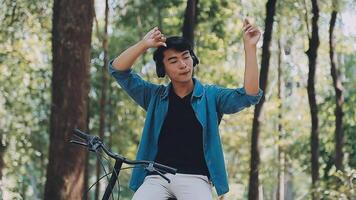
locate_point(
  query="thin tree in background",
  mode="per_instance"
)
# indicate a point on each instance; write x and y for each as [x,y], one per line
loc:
[312,57]
[339,97]
[253,192]
[281,152]
[190,20]
[2,152]
[102,122]
[71,40]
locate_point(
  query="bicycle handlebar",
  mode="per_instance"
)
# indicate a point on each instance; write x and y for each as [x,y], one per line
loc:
[93,143]
[82,135]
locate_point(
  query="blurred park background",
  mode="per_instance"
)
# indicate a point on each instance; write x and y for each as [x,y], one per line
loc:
[299,142]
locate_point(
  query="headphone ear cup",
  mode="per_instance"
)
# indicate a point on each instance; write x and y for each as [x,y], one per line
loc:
[195,61]
[195,58]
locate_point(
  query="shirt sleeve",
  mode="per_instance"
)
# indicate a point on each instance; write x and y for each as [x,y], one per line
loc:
[234,100]
[139,90]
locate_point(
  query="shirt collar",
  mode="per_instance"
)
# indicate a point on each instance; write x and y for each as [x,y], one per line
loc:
[197,91]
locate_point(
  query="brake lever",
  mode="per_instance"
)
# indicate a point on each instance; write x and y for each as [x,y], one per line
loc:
[77,142]
[151,168]
[93,144]
[163,176]
[76,136]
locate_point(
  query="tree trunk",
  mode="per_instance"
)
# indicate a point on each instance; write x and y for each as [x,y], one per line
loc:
[71,39]
[255,155]
[87,166]
[281,153]
[335,74]
[190,20]
[2,153]
[312,56]
[103,95]
[159,18]
[289,187]
[110,117]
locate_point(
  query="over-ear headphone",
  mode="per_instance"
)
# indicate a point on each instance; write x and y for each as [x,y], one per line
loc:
[160,66]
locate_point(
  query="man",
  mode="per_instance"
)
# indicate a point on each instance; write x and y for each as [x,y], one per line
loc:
[181,127]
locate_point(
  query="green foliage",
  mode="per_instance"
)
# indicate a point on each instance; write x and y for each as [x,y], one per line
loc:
[25,98]
[340,186]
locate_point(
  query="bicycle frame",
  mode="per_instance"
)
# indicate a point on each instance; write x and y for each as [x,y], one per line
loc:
[94,143]
[113,178]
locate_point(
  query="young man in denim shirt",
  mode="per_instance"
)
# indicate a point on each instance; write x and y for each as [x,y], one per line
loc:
[182,118]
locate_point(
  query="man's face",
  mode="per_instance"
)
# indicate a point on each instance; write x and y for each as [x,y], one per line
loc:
[178,65]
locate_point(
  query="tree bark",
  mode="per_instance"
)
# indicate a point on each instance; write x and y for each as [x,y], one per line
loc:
[102,121]
[255,154]
[71,39]
[339,97]
[190,20]
[312,56]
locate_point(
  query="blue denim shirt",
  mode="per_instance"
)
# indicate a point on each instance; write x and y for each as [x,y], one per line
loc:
[209,103]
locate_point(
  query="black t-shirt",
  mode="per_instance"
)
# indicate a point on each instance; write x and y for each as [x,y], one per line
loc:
[180,143]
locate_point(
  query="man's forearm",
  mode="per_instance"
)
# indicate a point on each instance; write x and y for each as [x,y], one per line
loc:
[127,58]
[251,79]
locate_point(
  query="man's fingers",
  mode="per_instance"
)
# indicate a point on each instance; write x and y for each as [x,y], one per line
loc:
[247,27]
[155,34]
[250,29]
[152,30]
[162,44]
[163,39]
[149,33]
[246,21]
[254,30]
[158,37]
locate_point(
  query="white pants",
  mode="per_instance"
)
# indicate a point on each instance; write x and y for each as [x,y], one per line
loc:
[182,187]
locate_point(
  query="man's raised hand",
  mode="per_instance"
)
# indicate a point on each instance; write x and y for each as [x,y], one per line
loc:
[251,33]
[154,38]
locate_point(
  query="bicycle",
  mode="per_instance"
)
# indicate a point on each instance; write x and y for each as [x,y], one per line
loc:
[94,144]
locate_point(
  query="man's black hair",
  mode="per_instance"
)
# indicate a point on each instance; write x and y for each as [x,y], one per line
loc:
[177,43]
